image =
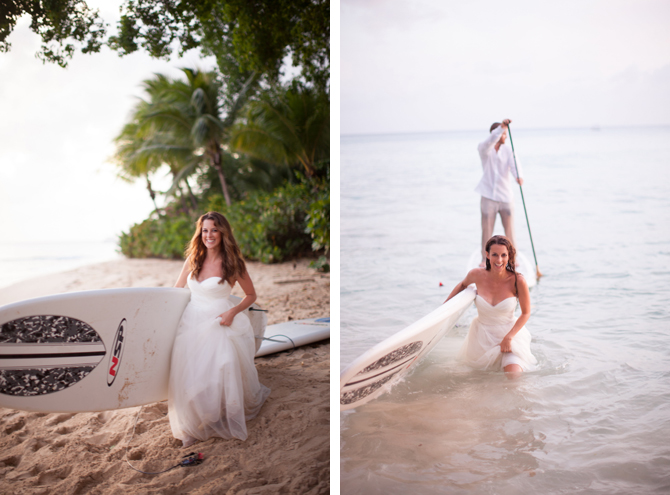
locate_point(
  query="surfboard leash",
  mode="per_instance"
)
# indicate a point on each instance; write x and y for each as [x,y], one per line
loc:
[271,339]
[191,459]
[278,335]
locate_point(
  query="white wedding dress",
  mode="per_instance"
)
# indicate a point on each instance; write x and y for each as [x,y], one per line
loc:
[481,349]
[214,385]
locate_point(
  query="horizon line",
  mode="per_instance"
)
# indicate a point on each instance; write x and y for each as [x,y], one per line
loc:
[594,127]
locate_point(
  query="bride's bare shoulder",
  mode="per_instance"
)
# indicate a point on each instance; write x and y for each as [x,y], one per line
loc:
[476,274]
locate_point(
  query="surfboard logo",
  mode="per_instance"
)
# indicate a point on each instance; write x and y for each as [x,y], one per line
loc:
[117,354]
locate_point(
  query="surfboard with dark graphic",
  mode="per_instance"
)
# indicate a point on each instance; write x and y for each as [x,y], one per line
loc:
[93,350]
[375,371]
[88,351]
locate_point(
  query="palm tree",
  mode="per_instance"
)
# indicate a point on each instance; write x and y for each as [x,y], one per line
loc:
[289,128]
[193,108]
[143,146]
[181,126]
[130,158]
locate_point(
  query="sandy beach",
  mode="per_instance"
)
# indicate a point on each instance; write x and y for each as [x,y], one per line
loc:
[288,447]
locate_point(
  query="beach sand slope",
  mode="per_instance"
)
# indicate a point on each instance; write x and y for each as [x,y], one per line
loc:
[288,447]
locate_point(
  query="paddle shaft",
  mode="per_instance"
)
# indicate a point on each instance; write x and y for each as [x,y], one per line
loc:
[522,198]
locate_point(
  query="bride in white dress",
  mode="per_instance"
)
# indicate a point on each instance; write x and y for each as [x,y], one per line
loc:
[214,387]
[496,338]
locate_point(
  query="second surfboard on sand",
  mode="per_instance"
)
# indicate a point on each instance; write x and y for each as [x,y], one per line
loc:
[288,335]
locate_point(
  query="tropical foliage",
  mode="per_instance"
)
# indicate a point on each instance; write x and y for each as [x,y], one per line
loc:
[60,24]
[179,125]
[287,128]
[255,34]
[269,227]
[278,194]
[234,140]
[246,36]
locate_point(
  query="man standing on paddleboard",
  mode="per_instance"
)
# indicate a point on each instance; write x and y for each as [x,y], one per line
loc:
[495,186]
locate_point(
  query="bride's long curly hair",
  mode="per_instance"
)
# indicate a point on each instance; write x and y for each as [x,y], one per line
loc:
[232,262]
[501,240]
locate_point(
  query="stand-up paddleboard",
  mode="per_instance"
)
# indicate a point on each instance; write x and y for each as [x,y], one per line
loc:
[373,373]
[523,266]
[285,336]
[92,350]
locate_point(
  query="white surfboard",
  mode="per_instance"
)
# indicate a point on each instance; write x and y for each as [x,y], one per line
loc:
[92,350]
[523,266]
[285,336]
[375,371]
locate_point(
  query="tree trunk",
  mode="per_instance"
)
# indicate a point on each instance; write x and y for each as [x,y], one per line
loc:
[194,200]
[310,170]
[184,201]
[308,164]
[215,158]
[151,192]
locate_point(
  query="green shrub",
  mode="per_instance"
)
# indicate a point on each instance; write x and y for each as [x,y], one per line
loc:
[164,237]
[291,221]
[318,220]
[270,227]
[320,265]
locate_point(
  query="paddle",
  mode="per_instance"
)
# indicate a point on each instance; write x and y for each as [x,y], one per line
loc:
[537,268]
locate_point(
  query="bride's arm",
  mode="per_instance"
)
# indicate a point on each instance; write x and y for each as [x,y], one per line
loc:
[249,297]
[469,279]
[524,303]
[181,281]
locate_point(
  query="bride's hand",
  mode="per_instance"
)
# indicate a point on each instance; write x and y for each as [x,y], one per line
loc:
[506,344]
[227,318]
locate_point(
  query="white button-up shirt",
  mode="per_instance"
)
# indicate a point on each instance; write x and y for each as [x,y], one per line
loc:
[496,183]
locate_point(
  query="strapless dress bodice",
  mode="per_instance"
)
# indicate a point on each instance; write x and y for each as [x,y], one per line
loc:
[209,289]
[500,314]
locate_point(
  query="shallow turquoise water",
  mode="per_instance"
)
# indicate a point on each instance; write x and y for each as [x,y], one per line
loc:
[596,417]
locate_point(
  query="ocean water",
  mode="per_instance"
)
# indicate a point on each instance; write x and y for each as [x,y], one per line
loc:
[25,260]
[595,418]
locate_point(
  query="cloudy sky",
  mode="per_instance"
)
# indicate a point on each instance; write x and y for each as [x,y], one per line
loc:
[433,65]
[56,132]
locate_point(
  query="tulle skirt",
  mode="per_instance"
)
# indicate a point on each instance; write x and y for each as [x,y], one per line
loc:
[214,387]
[481,349]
